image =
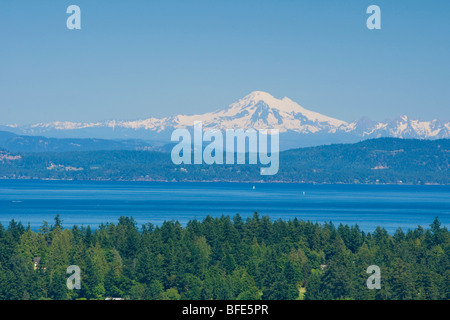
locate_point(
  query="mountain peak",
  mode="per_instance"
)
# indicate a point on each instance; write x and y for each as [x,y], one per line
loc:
[285,108]
[259,95]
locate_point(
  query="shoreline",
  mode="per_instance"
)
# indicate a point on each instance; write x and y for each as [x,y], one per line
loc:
[229,181]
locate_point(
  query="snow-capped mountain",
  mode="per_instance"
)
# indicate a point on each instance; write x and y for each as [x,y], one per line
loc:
[258,110]
[404,127]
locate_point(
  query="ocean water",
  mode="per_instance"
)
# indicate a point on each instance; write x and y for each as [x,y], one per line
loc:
[92,203]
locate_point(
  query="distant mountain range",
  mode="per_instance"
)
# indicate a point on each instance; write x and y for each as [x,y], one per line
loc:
[298,126]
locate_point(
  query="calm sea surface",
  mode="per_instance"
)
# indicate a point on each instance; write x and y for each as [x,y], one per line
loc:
[92,203]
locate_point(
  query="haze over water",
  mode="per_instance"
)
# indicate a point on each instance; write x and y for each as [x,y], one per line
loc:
[92,203]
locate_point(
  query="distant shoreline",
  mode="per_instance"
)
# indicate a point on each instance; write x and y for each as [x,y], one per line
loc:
[233,181]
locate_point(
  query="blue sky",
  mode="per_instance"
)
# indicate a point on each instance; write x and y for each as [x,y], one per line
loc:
[137,59]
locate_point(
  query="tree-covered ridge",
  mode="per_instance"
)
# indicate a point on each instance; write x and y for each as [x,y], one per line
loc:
[223,258]
[384,161]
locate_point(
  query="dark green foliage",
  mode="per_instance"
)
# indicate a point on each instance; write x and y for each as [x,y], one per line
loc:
[223,258]
[383,160]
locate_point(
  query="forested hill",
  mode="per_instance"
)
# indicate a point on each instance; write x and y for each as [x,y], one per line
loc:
[18,143]
[223,258]
[384,160]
